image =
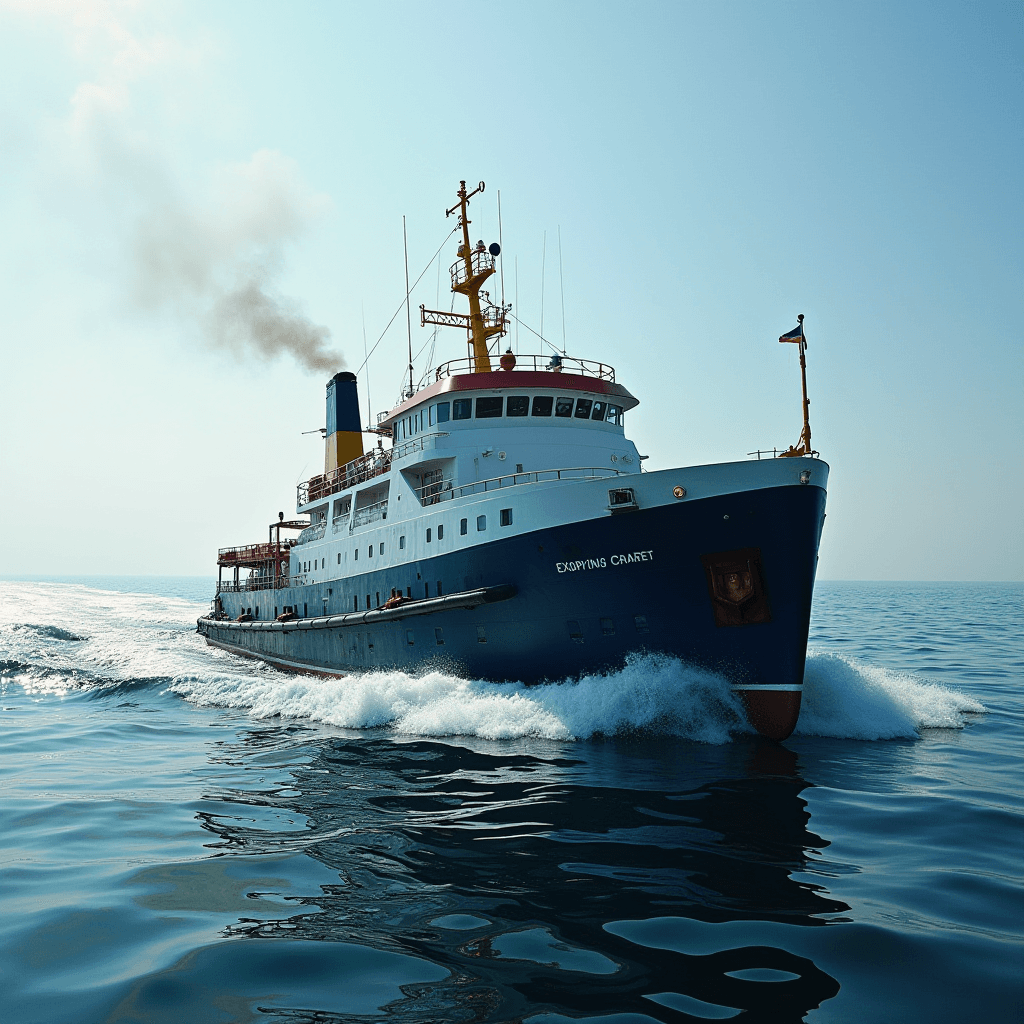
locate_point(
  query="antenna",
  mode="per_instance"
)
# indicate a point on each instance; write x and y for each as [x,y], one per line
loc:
[408,318]
[543,259]
[501,246]
[561,286]
[517,303]
[366,358]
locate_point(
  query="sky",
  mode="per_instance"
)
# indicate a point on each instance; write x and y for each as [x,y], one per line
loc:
[202,220]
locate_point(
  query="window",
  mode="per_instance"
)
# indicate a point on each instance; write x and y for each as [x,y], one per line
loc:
[428,534]
[355,602]
[430,414]
[462,408]
[377,601]
[506,517]
[367,602]
[401,543]
[614,415]
[356,555]
[489,407]
[542,405]
[583,408]
[426,588]
[598,413]
[517,405]
[439,636]
[481,523]
[410,637]
[381,551]
[575,633]
[641,624]
[369,552]
[563,407]
[440,592]
[442,412]
[607,627]
[481,635]
[339,558]
[463,527]
[440,532]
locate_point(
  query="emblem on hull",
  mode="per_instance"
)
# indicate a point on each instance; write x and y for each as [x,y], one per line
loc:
[736,587]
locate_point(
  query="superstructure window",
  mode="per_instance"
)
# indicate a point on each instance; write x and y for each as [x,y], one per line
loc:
[614,415]
[542,405]
[517,405]
[464,527]
[462,408]
[369,552]
[355,556]
[506,517]
[489,407]
[598,413]
[563,407]
[481,523]
[339,558]
[428,534]
[442,412]
[381,548]
[583,408]
[401,543]
[430,415]
[440,532]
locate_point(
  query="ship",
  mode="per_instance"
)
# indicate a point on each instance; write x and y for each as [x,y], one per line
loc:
[502,527]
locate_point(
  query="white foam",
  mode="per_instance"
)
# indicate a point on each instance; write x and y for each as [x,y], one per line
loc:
[846,699]
[651,693]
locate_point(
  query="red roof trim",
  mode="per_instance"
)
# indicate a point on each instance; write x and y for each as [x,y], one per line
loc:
[513,380]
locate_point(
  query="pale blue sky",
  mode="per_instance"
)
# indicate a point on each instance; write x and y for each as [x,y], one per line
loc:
[713,168]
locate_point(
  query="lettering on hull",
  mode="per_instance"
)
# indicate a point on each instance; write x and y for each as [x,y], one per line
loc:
[582,564]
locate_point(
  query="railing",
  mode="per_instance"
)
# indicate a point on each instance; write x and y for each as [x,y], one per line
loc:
[429,495]
[253,552]
[480,262]
[399,451]
[312,532]
[550,363]
[339,523]
[256,583]
[369,514]
[366,467]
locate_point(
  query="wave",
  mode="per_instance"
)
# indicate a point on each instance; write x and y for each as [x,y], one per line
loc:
[50,632]
[846,699]
[651,694]
[843,699]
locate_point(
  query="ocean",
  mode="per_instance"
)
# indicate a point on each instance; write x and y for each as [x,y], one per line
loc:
[192,837]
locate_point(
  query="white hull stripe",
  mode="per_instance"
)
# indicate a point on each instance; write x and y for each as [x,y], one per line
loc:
[779,687]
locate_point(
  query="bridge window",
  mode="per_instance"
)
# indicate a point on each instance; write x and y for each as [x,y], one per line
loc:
[563,407]
[489,407]
[506,517]
[442,412]
[598,413]
[614,415]
[462,408]
[430,415]
[583,408]
[517,405]
[542,405]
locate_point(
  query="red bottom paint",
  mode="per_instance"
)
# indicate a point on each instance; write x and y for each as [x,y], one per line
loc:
[773,713]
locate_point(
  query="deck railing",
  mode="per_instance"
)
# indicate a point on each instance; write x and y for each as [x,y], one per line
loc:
[549,363]
[429,495]
[369,514]
[248,553]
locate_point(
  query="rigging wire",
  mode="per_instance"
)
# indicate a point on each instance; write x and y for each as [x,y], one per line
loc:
[554,348]
[501,251]
[561,285]
[408,318]
[369,405]
[394,316]
[543,260]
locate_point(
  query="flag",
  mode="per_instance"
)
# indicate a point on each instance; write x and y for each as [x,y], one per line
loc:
[797,334]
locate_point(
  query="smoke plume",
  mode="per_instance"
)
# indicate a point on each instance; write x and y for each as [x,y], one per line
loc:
[206,246]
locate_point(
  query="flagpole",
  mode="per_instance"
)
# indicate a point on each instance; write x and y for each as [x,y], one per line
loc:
[803,382]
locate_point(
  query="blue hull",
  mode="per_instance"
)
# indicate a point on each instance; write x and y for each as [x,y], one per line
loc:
[587,595]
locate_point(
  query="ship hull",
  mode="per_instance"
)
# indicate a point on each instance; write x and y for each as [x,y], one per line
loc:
[723,583]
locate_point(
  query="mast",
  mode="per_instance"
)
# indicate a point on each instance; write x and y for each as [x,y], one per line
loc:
[474,266]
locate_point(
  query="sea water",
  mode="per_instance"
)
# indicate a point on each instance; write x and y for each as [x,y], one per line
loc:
[188,836]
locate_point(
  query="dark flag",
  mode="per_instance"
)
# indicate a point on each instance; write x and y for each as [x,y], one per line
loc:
[797,334]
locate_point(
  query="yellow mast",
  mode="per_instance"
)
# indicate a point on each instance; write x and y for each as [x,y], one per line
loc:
[469,272]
